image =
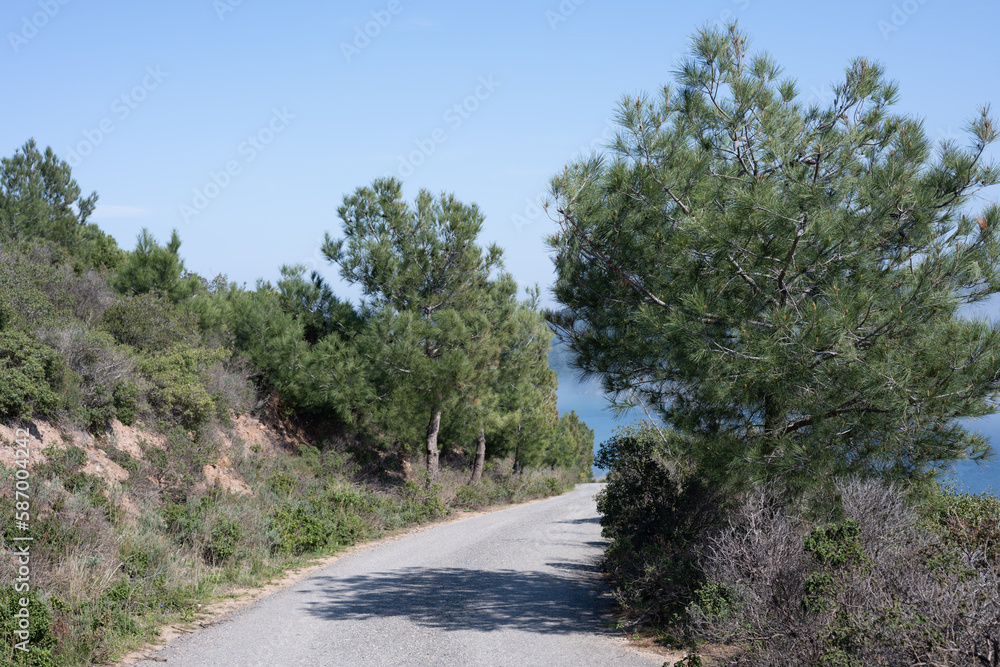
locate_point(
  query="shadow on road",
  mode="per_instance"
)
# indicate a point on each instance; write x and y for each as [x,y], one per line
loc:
[463,599]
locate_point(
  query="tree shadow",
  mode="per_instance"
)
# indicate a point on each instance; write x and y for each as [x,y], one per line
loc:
[589,519]
[463,599]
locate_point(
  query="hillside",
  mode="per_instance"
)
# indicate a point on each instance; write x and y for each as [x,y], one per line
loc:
[164,437]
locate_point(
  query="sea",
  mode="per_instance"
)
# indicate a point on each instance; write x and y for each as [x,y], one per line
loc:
[589,402]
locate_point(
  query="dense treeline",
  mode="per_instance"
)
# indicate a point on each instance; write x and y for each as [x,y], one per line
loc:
[783,284]
[442,351]
[97,342]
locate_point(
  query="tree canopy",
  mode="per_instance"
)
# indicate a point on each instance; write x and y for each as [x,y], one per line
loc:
[782,281]
[428,284]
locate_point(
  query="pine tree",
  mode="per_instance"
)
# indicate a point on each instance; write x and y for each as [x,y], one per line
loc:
[425,279]
[781,281]
[155,268]
[40,200]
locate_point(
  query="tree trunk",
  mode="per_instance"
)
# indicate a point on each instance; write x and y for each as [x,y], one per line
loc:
[477,472]
[407,466]
[432,446]
[517,453]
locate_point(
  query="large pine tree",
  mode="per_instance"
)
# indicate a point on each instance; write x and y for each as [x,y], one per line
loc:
[783,281]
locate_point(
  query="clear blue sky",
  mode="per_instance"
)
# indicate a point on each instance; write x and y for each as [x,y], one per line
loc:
[162,95]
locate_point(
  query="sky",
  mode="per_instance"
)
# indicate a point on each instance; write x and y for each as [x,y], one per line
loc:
[243,123]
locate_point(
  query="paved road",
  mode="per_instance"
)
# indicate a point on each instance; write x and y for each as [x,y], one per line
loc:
[514,587]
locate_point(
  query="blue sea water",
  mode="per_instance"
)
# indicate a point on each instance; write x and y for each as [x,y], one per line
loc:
[590,404]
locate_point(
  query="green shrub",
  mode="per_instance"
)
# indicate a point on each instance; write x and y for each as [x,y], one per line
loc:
[24,303]
[657,518]
[32,376]
[99,365]
[970,521]
[179,376]
[148,322]
[300,531]
[126,399]
[281,482]
[40,640]
[226,537]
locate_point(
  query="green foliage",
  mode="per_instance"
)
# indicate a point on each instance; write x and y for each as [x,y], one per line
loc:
[147,321]
[780,280]
[836,545]
[155,268]
[657,515]
[969,521]
[427,281]
[24,301]
[714,599]
[314,306]
[281,482]
[39,640]
[32,376]
[318,379]
[39,200]
[226,536]
[126,398]
[179,376]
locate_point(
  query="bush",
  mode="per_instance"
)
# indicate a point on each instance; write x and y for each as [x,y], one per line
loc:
[24,303]
[148,322]
[657,517]
[226,536]
[32,376]
[40,640]
[100,366]
[871,587]
[969,521]
[179,378]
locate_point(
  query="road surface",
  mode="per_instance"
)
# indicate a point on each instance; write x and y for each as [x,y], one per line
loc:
[515,587]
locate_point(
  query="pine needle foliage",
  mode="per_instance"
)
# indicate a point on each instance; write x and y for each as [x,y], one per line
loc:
[781,281]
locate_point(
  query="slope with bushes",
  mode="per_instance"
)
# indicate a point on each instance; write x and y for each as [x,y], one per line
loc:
[190,435]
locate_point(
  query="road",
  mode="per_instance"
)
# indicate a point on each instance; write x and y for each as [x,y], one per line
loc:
[518,586]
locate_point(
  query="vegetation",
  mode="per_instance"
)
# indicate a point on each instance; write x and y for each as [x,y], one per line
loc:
[129,536]
[779,281]
[780,284]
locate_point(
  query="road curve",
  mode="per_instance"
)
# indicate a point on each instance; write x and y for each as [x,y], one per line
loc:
[514,587]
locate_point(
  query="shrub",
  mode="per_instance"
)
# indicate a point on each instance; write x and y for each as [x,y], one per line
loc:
[657,516]
[970,521]
[32,376]
[867,588]
[148,322]
[126,399]
[40,640]
[179,377]
[300,530]
[100,366]
[281,482]
[24,304]
[226,536]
